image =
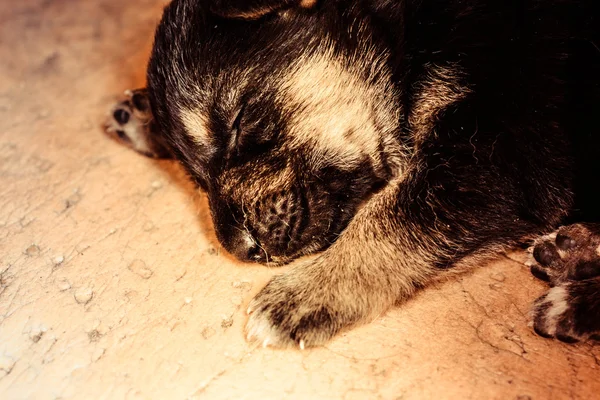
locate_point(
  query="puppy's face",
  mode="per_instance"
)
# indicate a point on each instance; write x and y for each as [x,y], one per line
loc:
[286,118]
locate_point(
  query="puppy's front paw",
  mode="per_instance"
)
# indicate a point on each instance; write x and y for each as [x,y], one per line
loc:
[301,310]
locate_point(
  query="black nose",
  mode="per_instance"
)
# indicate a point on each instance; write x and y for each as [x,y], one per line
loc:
[245,248]
[236,239]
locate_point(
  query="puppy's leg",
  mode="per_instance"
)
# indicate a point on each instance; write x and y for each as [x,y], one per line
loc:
[131,123]
[376,262]
[570,261]
[402,238]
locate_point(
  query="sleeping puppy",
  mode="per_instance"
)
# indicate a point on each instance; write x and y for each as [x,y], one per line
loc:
[401,139]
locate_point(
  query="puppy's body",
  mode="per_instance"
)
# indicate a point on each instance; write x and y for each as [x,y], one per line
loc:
[403,138]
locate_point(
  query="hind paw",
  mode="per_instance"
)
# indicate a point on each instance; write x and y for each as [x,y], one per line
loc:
[570,261]
[571,253]
[131,123]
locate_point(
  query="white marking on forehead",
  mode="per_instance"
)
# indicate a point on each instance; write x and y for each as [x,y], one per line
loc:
[196,126]
[333,108]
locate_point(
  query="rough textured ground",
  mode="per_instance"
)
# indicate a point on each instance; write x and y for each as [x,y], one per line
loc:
[113,286]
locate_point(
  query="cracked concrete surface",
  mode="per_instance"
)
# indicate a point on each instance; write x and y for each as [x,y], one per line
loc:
[112,284]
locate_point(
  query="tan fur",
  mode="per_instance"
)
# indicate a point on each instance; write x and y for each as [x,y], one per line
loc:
[308,3]
[557,302]
[236,186]
[333,109]
[257,13]
[440,89]
[195,125]
[250,15]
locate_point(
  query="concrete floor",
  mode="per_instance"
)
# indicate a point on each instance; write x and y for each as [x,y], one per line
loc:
[112,284]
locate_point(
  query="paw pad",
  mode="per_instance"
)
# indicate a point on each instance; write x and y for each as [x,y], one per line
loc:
[131,123]
[121,116]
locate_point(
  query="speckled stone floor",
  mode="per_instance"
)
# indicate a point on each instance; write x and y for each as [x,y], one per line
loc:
[113,286]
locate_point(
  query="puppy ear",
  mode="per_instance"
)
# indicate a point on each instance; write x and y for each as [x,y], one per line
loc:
[254,9]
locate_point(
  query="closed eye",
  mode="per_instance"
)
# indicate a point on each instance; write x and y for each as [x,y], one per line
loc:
[236,130]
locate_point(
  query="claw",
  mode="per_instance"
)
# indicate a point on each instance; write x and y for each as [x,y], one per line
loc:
[301,344]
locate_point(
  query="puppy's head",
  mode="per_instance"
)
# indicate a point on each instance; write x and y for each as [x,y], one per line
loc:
[283,111]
